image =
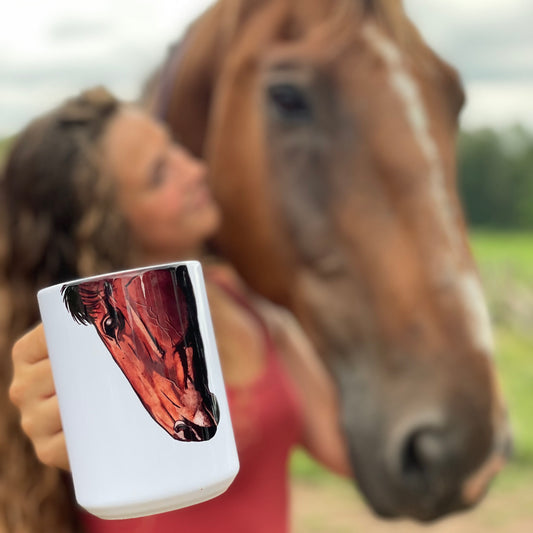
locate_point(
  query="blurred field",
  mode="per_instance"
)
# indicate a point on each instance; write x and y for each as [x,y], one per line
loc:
[325,503]
[506,266]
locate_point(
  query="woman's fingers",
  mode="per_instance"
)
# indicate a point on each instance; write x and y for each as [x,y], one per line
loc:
[43,420]
[32,391]
[52,451]
[32,375]
[33,382]
[31,347]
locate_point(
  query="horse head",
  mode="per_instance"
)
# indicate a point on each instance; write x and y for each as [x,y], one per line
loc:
[148,324]
[329,130]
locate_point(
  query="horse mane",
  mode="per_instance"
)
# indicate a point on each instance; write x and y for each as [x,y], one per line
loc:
[390,14]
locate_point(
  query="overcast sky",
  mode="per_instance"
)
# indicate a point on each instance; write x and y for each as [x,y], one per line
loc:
[53,48]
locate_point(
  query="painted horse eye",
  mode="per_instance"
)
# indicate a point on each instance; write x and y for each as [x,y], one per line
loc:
[109,326]
[113,323]
[290,101]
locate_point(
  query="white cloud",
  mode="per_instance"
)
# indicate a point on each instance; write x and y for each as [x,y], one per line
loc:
[499,104]
[53,49]
[490,42]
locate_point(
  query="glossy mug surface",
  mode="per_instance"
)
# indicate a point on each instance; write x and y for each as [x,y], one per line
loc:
[140,390]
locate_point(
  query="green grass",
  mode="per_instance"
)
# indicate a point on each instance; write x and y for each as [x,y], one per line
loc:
[514,359]
[303,466]
[503,253]
[505,260]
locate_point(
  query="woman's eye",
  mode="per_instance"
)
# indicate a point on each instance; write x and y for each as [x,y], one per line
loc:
[157,176]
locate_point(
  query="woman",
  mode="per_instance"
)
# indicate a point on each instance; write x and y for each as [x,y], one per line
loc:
[98,186]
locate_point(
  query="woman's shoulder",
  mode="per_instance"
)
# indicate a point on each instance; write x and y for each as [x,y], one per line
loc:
[223,276]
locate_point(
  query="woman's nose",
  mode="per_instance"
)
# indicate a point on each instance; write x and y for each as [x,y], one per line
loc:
[198,168]
[192,169]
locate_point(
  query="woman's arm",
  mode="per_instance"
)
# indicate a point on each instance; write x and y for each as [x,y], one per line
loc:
[32,391]
[322,437]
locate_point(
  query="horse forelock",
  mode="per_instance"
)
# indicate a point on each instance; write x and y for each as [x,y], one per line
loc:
[390,14]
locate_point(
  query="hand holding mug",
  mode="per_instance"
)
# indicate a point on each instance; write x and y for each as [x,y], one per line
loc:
[33,392]
[140,390]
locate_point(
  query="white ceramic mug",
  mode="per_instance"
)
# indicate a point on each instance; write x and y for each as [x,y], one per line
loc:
[140,390]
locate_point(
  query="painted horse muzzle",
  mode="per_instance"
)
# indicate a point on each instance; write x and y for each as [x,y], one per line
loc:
[148,321]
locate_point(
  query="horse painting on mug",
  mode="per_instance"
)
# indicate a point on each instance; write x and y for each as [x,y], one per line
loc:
[148,322]
[329,129]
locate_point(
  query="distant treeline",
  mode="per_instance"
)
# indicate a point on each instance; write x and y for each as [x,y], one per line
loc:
[496,177]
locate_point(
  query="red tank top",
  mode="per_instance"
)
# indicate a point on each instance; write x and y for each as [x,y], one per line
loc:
[267,422]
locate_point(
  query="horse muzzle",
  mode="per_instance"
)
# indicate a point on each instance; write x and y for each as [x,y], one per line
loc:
[428,473]
[429,466]
[205,426]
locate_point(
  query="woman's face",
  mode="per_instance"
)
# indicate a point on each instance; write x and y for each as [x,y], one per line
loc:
[161,189]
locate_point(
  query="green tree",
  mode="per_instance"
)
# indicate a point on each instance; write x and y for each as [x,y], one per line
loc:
[496,177]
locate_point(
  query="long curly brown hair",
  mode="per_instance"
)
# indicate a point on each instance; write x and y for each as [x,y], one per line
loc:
[58,221]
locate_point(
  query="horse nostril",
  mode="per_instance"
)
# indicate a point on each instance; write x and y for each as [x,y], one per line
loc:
[185,430]
[425,455]
[206,432]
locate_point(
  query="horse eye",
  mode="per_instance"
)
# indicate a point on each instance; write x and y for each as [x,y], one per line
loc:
[290,101]
[109,326]
[113,324]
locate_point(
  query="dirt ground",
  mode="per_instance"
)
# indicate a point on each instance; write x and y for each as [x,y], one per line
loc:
[333,508]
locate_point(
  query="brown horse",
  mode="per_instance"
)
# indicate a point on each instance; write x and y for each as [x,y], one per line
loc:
[329,130]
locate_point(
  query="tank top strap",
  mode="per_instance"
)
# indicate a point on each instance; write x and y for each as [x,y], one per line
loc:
[240,298]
